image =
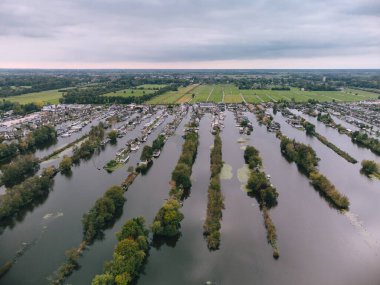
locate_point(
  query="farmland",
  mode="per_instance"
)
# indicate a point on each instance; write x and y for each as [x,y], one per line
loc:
[183,95]
[47,97]
[139,91]
[229,93]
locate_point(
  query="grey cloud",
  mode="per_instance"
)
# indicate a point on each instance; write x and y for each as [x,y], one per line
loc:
[184,30]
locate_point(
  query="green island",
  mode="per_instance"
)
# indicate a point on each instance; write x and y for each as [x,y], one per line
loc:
[306,159]
[167,222]
[370,168]
[259,187]
[129,255]
[215,204]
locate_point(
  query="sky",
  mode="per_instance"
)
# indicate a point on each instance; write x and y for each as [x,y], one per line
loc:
[189,34]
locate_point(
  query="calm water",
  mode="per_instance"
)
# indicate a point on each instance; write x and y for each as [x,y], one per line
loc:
[318,245]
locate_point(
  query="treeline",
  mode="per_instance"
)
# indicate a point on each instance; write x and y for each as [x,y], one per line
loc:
[282,88]
[93,95]
[266,195]
[19,169]
[19,109]
[357,137]
[88,147]
[18,85]
[102,213]
[129,255]
[340,152]
[36,139]
[367,141]
[182,172]
[167,222]
[310,130]
[26,193]
[306,159]
[215,204]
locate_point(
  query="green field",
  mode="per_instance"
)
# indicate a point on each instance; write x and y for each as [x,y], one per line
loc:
[183,95]
[46,97]
[147,89]
[211,93]
[214,93]
[152,86]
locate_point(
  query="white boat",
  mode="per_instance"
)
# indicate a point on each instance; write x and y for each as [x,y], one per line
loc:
[135,147]
[156,153]
[124,160]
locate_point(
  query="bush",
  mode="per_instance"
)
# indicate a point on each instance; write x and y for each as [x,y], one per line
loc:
[369,167]
[65,164]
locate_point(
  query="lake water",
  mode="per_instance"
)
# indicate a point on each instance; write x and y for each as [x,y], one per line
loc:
[318,244]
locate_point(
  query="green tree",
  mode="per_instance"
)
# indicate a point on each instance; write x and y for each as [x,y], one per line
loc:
[112,135]
[65,164]
[369,167]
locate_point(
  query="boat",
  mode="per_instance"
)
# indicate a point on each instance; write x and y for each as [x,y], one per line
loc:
[134,147]
[156,153]
[124,160]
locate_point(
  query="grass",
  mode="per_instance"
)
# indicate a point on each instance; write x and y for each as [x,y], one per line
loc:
[112,165]
[151,86]
[214,93]
[46,97]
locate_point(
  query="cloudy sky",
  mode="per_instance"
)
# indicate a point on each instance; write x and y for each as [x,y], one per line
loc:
[190,33]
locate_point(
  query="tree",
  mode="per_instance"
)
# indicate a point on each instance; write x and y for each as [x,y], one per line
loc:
[19,169]
[168,219]
[369,167]
[112,135]
[310,128]
[65,164]
[146,153]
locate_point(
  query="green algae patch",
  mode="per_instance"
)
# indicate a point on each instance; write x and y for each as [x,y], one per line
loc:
[243,175]
[226,173]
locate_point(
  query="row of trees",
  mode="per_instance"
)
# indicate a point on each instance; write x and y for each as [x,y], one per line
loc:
[367,141]
[39,138]
[259,186]
[129,255]
[105,210]
[94,95]
[13,85]
[19,169]
[19,109]
[182,172]
[167,222]
[88,147]
[306,159]
[310,130]
[215,204]
[26,193]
